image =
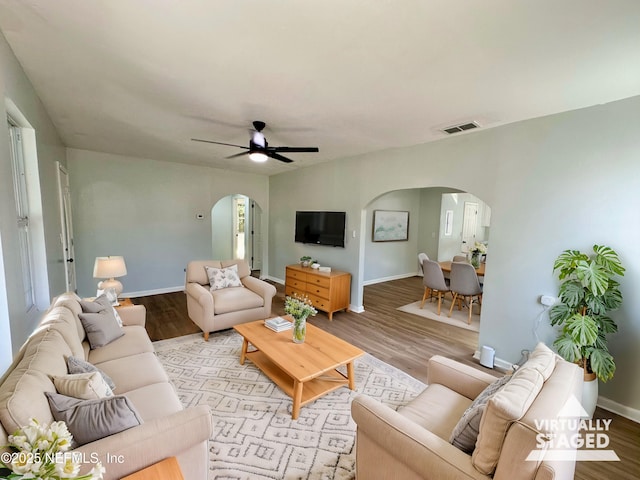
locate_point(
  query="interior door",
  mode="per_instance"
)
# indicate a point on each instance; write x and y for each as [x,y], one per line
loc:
[469,225]
[256,236]
[68,253]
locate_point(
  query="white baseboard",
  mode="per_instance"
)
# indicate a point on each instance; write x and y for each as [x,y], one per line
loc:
[498,363]
[276,280]
[146,293]
[356,308]
[388,279]
[622,410]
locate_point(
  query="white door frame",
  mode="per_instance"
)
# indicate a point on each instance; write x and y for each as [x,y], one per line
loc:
[66,222]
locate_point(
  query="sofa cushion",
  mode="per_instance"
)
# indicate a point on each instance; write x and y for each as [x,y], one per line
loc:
[65,322]
[505,407]
[436,409]
[148,370]
[102,328]
[22,392]
[235,299]
[134,341]
[155,401]
[89,420]
[71,302]
[465,433]
[86,386]
[77,365]
[223,277]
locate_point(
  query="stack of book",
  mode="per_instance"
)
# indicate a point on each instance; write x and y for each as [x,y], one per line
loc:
[278,324]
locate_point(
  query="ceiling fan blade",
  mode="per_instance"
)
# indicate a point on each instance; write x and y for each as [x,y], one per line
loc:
[295,149]
[277,156]
[220,143]
[238,154]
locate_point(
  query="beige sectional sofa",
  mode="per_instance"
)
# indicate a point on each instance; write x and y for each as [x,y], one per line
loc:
[226,307]
[167,429]
[414,442]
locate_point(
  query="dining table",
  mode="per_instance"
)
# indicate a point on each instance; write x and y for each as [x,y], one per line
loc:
[446,267]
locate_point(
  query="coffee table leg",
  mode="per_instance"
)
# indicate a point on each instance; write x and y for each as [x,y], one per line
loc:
[243,354]
[351,376]
[297,399]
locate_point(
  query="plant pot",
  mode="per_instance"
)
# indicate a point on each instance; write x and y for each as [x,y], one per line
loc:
[590,393]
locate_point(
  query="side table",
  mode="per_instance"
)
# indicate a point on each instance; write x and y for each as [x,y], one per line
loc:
[167,469]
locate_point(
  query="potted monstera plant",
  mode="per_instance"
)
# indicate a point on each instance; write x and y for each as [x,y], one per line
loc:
[588,292]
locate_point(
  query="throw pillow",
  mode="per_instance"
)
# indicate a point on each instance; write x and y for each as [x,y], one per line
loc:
[77,365]
[98,305]
[223,277]
[87,386]
[89,420]
[465,433]
[102,328]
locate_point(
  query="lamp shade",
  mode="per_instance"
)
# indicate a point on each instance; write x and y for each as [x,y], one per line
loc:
[109,267]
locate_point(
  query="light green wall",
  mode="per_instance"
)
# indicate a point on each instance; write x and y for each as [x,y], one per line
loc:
[388,260]
[222,228]
[145,210]
[15,86]
[557,182]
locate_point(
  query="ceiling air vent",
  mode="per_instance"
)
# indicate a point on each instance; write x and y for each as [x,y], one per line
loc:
[460,128]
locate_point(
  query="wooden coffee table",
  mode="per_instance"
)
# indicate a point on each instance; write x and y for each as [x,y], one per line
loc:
[304,371]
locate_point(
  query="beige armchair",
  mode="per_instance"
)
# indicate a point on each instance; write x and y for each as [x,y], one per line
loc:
[413,442]
[224,308]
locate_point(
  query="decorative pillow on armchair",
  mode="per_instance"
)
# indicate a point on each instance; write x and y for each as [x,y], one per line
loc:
[465,433]
[223,277]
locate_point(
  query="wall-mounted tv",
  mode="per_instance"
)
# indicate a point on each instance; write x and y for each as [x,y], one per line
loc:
[320,228]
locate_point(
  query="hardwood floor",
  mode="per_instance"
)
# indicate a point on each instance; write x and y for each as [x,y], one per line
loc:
[406,342]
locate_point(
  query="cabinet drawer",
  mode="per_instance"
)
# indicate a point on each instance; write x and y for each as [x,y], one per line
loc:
[296,274]
[289,291]
[320,303]
[299,285]
[318,281]
[317,290]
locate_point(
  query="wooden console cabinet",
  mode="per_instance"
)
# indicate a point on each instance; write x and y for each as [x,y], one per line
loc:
[329,291]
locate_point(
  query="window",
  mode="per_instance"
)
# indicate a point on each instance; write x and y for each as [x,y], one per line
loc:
[22,213]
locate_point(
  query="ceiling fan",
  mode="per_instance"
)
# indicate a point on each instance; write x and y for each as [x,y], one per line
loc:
[259,150]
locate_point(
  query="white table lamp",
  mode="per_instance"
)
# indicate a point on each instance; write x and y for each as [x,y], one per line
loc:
[110,268]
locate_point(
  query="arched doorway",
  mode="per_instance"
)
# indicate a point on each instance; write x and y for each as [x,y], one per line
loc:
[440,225]
[236,230]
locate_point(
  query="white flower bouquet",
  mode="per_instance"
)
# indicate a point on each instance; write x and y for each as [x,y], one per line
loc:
[299,307]
[479,248]
[39,451]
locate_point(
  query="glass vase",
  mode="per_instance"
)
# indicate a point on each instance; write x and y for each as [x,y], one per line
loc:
[299,329]
[475,259]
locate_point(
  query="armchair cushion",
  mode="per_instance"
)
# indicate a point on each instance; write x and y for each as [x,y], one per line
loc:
[465,433]
[235,299]
[223,277]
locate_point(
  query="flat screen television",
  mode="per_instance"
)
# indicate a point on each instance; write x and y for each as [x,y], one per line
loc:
[320,228]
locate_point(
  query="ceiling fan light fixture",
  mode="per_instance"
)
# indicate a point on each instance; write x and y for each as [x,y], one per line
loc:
[258,157]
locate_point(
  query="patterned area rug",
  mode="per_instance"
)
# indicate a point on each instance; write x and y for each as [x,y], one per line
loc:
[254,435]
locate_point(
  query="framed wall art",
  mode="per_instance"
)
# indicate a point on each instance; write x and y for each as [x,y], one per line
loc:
[390,226]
